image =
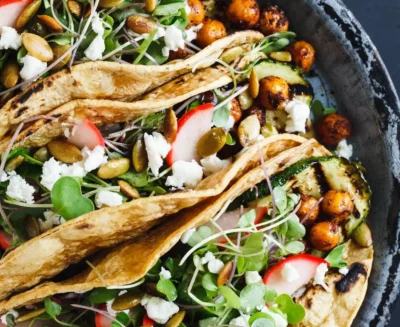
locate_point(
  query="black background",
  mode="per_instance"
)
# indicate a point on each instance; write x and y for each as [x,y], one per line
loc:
[381,20]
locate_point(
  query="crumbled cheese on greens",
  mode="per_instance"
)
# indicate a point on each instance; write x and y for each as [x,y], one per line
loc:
[213,164]
[157,149]
[319,278]
[18,189]
[185,173]
[32,67]
[187,235]
[9,39]
[108,199]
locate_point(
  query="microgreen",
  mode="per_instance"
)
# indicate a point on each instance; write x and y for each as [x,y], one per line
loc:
[221,115]
[247,220]
[261,319]
[270,294]
[253,247]
[295,312]
[199,235]
[172,264]
[230,140]
[231,298]
[280,198]
[10,320]
[53,309]
[121,317]
[136,179]
[209,282]
[335,257]
[102,295]
[166,287]
[320,111]
[169,9]
[68,200]
[144,46]
[252,296]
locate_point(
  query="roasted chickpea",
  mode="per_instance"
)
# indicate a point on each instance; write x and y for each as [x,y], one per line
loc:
[274,92]
[303,54]
[177,55]
[334,128]
[211,31]
[324,236]
[243,13]
[273,20]
[197,12]
[236,110]
[259,112]
[307,204]
[337,204]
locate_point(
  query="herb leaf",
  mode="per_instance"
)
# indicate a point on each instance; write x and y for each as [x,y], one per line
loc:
[102,295]
[221,116]
[165,286]
[123,318]
[53,309]
[295,312]
[136,179]
[247,219]
[335,257]
[231,298]
[252,296]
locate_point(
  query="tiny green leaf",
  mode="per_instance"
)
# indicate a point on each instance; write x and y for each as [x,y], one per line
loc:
[10,320]
[231,298]
[199,235]
[53,309]
[270,294]
[295,312]
[230,140]
[136,179]
[280,198]
[168,9]
[253,247]
[263,322]
[296,230]
[221,116]
[102,295]
[209,282]
[247,219]
[123,318]
[335,257]
[165,286]
[252,296]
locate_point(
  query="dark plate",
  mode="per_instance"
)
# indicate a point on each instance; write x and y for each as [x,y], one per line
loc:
[352,68]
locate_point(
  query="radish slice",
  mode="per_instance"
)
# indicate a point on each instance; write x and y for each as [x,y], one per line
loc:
[191,127]
[101,320]
[147,321]
[5,240]
[10,10]
[306,267]
[86,134]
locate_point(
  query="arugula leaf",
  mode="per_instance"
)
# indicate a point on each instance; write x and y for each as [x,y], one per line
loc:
[165,286]
[158,190]
[231,298]
[335,257]
[68,200]
[252,296]
[169,9]
[247,219]
[136,179]
[280,198]
[102,295]
[52,308]
[221,116]
[123,318]
[295,312]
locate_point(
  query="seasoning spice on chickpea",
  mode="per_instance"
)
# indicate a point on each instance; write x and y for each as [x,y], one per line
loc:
[337,204]
[309,209]
[274,92]
[273,20]
[325,236]
[334,128]
[236,110]
[211,31]
[197,12]
[303,55]
[243,13]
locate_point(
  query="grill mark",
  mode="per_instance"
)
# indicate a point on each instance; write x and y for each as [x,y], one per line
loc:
[321,178]
[345,284]
[28,93]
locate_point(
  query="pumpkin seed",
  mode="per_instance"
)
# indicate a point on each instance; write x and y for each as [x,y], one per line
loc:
[176,320]
[139,156]
[51,23]
[64,151]
[109,3]
[254,84]
[268,130]
[141,24]
[14,163]
[248,130]
[281,56]
[114,168]
[128,189]
[58,51]
[74,7]
[10,74]
[151,288]
[127,301]
[170,126]
[42,154]
[30,315]
[245,100]
[37,47]
[27,14]
[39,29]
[150,5]
[32,227]
[225,273]
[211,142]
[362,235]
[231,54]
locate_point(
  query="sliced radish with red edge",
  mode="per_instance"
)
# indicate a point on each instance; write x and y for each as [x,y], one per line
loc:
[147,321]
[5,240]
[10,10]
[101,320]
[191,127]
[86,134]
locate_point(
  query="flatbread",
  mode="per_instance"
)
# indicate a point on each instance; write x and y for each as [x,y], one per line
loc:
[48,254]
[108,80]
[129,262]
[102,112]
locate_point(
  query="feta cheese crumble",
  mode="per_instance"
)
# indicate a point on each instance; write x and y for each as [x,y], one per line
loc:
[50,220]
[157,149]
[158,309]
[298,113]
[173,40]
[32,67]
[187,235]
[242,321]
[3,177]
[9,39]
[108,199]
[184,173]
[165,273]
[252,277]
[207,258]
[93,159]
[96,48]
[344,271]
[191,33]
[12,312]
[214,265]
[229,123]
[213,164]
[319,278]
[18,189]
[289,273]
[344,150]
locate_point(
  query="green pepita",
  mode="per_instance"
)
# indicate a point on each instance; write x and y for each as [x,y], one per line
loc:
[211,142]
[127,301]
[114,168]
[27,14]
[64,152]
[139,156]
[128,189]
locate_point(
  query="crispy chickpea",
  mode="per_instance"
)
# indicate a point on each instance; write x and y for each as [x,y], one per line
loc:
[337,204]
[307,204]
[211,31]
[259,112]
[303,54]
[236,110]
[197,12]
[177,55]
[274,92]
[334,128]
[324,236]
[273,20]
[243,13]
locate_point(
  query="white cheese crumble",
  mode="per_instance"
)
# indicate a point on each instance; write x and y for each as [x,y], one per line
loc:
[93,159]
[108,199]
[319,278]
[344,271]
[32,67]
[18,189]
[50,220]
[174,40]
[109,309]
[278,319]
[157,149]
[215,266]
[242,321]
[3,177]
[289,273]
[213,164]
[207,258]
[252,277]
[158,309]
[12,312]
[184,173]
[344,150]
[9,39]
[191,33]
[159,34]
[96,48]
[188,9]
[165,273]
[298,113]
[187,235]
